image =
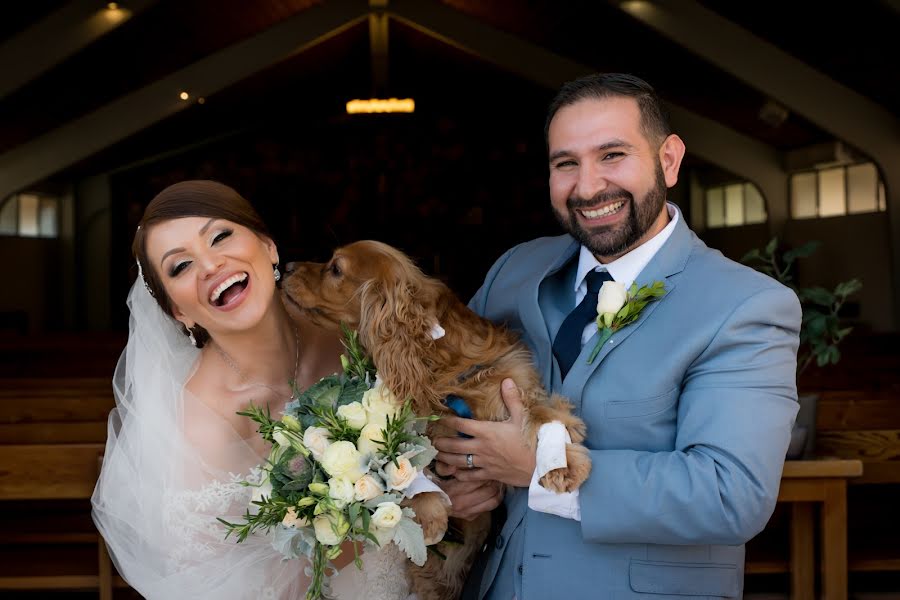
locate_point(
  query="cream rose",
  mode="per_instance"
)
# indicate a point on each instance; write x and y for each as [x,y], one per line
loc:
[380,403]
[342,459]
[366,488]
[291,519]
[387,515]
[370,434]
[354,413]
[610,300]
[317,440]
[401,475]
[341,491]
[330,529]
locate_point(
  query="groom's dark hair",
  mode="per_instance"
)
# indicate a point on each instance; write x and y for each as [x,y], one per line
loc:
[654,120]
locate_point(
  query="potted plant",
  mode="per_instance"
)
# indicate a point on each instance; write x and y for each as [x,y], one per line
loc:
[820,330]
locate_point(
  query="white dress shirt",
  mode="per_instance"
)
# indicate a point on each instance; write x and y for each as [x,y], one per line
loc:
[624,270]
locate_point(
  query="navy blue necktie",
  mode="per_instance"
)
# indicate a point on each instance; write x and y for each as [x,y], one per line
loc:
[567,345]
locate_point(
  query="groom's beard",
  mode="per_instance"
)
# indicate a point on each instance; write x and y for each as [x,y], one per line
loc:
[616,239]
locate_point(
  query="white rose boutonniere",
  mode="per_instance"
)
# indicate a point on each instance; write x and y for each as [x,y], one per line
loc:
[617,307]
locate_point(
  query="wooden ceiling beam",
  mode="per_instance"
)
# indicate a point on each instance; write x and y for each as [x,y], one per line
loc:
[30,53]
[705,138]
[42,157]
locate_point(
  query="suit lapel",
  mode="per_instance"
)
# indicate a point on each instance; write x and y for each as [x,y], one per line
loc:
[665,265]
[542,308]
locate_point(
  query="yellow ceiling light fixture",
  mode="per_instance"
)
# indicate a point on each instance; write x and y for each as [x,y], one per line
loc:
[113,6]
[184,95]
[381,105]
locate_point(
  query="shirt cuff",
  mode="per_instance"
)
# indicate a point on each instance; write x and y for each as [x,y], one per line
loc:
[551,454]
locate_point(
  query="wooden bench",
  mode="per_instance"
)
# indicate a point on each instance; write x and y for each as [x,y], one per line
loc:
[31,475]
[54,411]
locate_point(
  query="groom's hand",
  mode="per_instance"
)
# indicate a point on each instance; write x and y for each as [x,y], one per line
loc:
[471,498]
[498,448]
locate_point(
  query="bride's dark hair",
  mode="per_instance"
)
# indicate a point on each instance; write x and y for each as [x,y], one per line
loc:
[194,198]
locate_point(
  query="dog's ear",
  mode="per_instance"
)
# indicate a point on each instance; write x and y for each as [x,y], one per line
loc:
[398,315]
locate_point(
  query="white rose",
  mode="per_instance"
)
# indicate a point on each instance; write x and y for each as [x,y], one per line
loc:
[387,515]
[380,403]
[366,488]
[264,489]
[401,475]
[611,299]
[330,529]
[317,440]
[341,491]
[291,519]
[370,434]
[354,413]
[342,459]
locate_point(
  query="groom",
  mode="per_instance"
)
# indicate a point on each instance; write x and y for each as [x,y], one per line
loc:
[688,409]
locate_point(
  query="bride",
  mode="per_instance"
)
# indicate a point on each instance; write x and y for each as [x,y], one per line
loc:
[208,336]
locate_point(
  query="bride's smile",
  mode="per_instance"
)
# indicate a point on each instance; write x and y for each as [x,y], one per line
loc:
[218,274]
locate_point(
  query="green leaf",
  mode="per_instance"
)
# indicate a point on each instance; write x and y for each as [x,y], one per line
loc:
[352,391]
[817,295]
[409,537]
[802,252]
[847,288]
[751,256]
[771,246]
[816,325]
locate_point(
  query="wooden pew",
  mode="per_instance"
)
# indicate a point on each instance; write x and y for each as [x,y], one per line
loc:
[31,475]
[54,411]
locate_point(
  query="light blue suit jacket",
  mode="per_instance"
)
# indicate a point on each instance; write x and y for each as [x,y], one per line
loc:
[689,412]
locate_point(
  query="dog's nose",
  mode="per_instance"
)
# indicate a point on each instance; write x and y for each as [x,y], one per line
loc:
[290,267]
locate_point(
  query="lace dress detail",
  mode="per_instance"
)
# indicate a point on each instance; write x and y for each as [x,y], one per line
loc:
[190,518]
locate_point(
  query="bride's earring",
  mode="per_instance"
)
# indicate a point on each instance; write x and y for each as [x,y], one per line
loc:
[277,273]
[191,337]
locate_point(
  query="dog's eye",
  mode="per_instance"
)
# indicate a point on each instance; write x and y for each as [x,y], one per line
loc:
[335,269]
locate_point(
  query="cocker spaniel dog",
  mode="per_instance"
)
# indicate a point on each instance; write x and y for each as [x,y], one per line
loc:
[376,289]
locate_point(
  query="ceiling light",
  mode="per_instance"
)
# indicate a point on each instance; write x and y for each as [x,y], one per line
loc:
[184,95]
[381,105]
[113,6]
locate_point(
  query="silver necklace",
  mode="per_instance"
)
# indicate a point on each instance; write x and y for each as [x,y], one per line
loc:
[233,366]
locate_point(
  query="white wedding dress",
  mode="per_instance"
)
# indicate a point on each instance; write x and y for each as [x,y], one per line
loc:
[172,466]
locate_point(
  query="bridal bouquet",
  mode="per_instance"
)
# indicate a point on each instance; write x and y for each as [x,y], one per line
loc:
[344,456]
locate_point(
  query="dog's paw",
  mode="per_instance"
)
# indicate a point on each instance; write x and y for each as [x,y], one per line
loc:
[431,514]
[570,477]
